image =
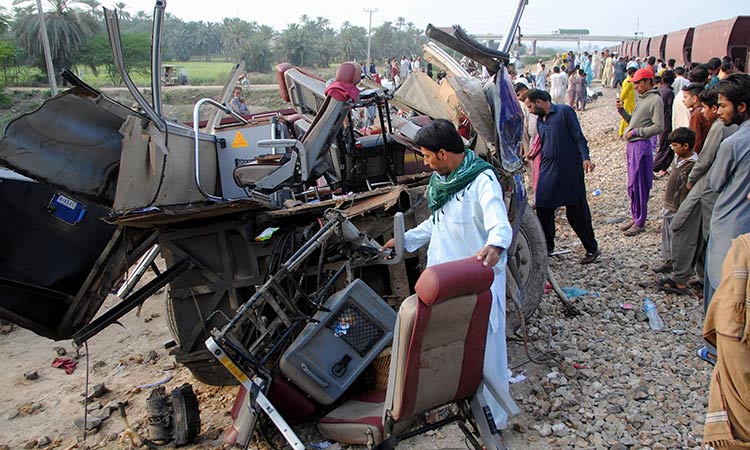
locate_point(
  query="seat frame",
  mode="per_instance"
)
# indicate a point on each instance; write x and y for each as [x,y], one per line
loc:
[407,398]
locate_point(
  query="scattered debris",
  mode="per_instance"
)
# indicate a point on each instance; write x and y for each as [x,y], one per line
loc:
[133,439]
[32,375]
[151,317]
[114,404]
[151,356]
[29,408]
[98,390]
[575,291]
[94,406]
[166,379]
[67,364]
[43,441]
[92,423]
[98,365]
[517,378]
[266,234]
[60,351]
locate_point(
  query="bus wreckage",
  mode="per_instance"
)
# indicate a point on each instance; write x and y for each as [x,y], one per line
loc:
[271,228]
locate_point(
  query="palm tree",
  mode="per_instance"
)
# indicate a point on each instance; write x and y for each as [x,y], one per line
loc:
[235,32]
[352,42]
[124,15]
[96,8]
[67,28]
[400,23]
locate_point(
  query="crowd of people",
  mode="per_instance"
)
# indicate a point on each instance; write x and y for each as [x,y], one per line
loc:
[690,125]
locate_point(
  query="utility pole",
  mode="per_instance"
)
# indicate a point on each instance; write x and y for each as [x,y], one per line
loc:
[47,53]
[369,36]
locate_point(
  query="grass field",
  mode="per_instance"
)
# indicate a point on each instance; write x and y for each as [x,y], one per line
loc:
[201,73]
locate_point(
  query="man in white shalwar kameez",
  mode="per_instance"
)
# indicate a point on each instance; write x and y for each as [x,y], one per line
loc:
[468,218]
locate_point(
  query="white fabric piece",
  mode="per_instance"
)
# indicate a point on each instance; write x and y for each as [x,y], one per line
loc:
[680,113]
[472,219]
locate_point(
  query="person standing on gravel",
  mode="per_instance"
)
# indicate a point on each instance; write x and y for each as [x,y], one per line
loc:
[664,154]
[646,122]
[690,224]
[468,219]
[730,177]
[564,160]
[727,327]
[627,97]
[557,85]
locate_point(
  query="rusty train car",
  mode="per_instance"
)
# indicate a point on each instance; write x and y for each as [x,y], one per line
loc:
[730,37]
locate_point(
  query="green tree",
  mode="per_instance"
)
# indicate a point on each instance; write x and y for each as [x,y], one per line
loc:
[309,42]
[256,50]
[136,53]
[234,34]
[67,28]
[291,45]
[352,42]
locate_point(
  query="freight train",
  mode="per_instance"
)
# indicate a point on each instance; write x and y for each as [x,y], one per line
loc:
[730,37]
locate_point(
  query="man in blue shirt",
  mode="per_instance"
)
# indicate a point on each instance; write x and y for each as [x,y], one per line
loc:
[565,158]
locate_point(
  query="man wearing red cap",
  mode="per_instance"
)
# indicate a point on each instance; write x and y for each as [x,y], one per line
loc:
[644,125]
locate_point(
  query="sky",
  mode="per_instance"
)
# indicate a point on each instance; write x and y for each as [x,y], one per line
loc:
[607,17]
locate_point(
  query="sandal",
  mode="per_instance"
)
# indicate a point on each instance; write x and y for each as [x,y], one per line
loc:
[705,355]
[626,226]
[669,285]
[664,268]
[634,230]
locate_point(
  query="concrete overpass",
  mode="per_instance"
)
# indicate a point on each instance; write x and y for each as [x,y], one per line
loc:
[534,38]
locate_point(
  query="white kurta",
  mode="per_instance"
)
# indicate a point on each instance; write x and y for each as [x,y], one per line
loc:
[472,219]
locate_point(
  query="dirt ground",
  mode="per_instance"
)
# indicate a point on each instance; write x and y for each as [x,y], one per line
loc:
[615,384]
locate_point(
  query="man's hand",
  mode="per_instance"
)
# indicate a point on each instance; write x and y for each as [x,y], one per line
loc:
[618,104]
[390,244]
[689,185]
[588,166]
[489,254]
[629,134]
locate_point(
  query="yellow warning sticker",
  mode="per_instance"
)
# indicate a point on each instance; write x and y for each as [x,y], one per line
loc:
[239,141]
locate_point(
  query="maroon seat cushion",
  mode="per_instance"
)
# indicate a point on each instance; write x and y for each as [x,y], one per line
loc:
[280,69]
[453,279]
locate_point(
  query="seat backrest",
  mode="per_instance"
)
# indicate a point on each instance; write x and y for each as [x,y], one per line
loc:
[329,120]
[438,344]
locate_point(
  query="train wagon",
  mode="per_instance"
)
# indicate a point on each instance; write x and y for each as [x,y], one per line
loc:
[679,46]
[729,37]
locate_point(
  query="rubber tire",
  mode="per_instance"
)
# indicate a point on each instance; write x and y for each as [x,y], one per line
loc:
[207,370]
[531,254]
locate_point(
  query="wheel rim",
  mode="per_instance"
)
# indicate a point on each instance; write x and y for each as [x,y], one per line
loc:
[523,258]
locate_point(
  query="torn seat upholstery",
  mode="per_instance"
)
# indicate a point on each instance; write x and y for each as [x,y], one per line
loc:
[326,124]
[437,355]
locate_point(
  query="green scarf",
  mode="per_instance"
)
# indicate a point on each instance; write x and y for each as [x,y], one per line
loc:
[441,190]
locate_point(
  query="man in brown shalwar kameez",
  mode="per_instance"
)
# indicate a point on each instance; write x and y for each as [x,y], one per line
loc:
[727,327]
